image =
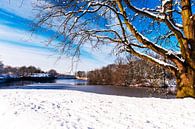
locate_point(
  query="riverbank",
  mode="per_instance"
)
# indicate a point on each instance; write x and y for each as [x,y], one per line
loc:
[60,109]
[78,85]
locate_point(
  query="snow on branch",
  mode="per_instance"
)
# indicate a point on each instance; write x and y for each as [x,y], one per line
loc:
[171,67]
[161,16]
[146,42]
[178,33]
[165,3]
[145,12]
[76,26]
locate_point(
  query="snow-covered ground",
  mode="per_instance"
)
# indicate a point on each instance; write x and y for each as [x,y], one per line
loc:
[65,109]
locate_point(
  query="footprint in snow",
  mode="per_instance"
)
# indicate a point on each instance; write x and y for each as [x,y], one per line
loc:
[62,124]
[58,106]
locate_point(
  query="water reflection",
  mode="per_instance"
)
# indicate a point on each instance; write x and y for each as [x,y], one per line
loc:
[81,85]
[71,81]
[50,84]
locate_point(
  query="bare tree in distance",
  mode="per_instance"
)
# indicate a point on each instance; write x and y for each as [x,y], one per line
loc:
[163,27]
[1,67]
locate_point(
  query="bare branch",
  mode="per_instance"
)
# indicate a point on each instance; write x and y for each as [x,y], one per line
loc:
[146,41]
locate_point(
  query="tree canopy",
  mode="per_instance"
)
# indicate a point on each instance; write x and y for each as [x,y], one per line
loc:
[162,27]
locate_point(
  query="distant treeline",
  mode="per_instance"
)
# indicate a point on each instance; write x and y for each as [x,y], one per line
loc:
[134,73]
[23,71]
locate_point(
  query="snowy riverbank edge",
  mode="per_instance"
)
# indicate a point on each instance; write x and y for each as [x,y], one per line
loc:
[65,109]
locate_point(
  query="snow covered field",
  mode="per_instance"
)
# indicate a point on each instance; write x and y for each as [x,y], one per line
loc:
[65,109]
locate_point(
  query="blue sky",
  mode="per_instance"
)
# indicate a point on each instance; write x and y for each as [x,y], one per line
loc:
[18,47]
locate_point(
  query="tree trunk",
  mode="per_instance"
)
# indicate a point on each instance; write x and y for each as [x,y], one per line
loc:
[186,83]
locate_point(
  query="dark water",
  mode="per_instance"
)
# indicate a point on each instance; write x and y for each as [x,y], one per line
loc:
[81,85]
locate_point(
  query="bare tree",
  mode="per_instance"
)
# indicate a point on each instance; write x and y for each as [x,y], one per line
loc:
[1,67]
[53,72]
[132,25]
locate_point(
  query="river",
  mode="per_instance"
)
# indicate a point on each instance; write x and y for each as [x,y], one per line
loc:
[81,85]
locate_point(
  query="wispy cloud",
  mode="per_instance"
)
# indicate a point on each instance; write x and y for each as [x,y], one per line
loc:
[18,47]
[23,8]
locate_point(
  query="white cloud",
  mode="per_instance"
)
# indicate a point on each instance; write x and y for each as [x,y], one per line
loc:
[18,54]
[16,35]
[22,8]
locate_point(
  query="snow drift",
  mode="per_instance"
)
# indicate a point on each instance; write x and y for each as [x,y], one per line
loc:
[61,109]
